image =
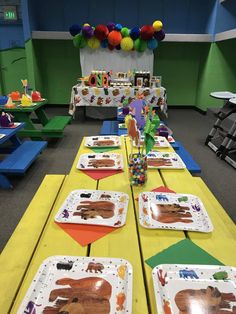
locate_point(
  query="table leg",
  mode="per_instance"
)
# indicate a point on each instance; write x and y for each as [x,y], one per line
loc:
[41,114]
[4,182]
[15,141]
[25,117]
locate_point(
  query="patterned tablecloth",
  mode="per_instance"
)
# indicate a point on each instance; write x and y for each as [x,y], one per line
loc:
[115,96]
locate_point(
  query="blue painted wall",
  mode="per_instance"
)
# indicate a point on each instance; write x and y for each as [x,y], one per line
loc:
[226,16]
[11,36]
[178,16]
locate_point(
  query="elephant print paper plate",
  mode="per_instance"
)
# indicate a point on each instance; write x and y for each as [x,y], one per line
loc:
[94,207]
[102,141]
[161,160]
[195,289]
[173,211]
[160,142]
[101,161]
[70,284]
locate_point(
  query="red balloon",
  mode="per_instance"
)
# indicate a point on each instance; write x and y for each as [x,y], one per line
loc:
[101,32]
[114,38]
[111,47]
[146,32]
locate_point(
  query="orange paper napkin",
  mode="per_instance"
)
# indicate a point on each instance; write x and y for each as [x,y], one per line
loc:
[85,234]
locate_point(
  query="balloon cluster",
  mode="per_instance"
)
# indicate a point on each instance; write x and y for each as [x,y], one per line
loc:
[115,36]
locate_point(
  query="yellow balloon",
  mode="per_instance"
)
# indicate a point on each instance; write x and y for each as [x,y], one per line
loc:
[86,24]
[94,43]
[127,44]
[157,25]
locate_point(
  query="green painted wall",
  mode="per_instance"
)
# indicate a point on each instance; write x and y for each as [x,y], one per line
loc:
[179,65]
[13,69]
[57,69]
[218,73]
[190,71]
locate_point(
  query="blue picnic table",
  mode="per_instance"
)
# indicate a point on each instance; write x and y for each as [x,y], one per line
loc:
[19,156]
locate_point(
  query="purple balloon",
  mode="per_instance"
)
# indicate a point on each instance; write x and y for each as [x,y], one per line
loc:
[111,26]
[159,35]
[87,31]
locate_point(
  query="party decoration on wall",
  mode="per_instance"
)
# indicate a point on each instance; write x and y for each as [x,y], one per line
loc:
[117,36]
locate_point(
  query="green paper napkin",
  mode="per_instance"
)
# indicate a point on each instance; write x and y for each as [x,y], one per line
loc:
[103,149]
[183,252]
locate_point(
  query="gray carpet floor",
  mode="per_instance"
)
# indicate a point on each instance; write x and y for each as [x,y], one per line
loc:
[189,127]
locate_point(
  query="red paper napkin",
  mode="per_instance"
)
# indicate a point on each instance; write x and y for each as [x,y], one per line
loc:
[101,174]
[85,234]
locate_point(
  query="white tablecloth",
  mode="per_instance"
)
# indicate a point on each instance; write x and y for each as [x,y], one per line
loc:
[115,96]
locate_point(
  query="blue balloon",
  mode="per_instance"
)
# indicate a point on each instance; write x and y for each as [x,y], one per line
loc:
[134,33]
[118,27]
[74,29]
[152,43]
[104,43]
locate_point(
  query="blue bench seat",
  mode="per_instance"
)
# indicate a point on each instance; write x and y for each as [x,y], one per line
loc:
[21,158]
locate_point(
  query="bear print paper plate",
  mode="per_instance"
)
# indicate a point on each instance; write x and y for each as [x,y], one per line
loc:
[101,161]
[195,289]
[102,141]
[173,211]
[94,207]
[161,160]
[70,284]
[160,142]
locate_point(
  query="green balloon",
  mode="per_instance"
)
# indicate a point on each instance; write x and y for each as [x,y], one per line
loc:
[140,45]
[79,41]
[125,32]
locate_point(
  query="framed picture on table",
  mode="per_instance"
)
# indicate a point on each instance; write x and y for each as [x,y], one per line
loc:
[139,82]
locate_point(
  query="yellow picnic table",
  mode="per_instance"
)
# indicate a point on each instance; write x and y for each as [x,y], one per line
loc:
[39,237]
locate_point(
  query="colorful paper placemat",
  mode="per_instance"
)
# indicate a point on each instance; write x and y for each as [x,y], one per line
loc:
[85,234]
[100,174]
[183,252]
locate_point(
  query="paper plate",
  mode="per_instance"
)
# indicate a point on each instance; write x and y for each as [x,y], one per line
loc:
[161,160]
[2,135]
[102,141]
[173,211]
[94,207]
[171,139]
[100,161]
[70,284]
[194,289]
[160,142]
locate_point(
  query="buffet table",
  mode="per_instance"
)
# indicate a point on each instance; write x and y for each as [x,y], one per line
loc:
[131,242]
[114,96]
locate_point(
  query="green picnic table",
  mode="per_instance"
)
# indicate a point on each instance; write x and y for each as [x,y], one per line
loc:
[51,128]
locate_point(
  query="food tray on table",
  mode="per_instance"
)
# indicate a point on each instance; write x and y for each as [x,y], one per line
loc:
[160,142]
[195,289]
[173,211]
[102,161]
[94,207]
[71,284]
[102,141]
[161,160]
